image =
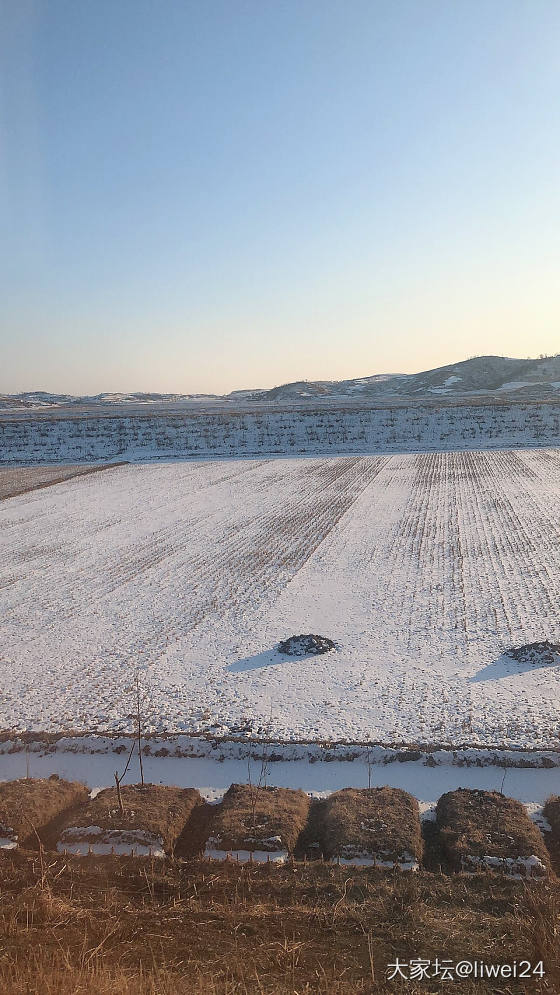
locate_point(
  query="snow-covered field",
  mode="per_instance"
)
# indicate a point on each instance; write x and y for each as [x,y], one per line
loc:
[422,568]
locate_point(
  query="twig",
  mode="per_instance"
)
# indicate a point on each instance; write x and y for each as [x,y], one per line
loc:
[139,729]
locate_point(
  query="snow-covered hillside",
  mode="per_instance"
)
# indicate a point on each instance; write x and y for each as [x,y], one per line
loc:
[260,433]
[44,399]
[423,569]
[483,376]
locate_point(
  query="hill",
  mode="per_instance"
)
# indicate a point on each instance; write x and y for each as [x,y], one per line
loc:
[524,379]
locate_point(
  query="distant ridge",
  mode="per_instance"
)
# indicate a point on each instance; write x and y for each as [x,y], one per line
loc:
[481,375]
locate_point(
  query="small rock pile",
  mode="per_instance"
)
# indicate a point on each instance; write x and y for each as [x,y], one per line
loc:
[305,645]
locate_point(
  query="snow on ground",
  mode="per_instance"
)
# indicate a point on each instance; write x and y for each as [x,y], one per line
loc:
[406,863]
[213,851]
[213,777]
[515,867]
[422,568]
[95,839]
[535,812]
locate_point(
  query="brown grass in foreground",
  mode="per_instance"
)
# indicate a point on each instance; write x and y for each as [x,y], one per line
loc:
[30,804]
[250,817]
[372,821]
[477,823]
[118,926]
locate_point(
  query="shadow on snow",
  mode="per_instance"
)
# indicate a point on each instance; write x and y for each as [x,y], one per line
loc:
[506,666]
[269,658]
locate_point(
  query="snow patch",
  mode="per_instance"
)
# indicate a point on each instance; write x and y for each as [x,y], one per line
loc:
[8,838]
[350,856]
[535,812]
[427,811]
[248,856]
[517,867]
[8,842]
[83,840]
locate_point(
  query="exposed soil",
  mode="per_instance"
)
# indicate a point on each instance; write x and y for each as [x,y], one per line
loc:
[382,822]
[21,479]
[28,806]
[156,809]
[306,645]
[486,824]
[253,817]
[538,654]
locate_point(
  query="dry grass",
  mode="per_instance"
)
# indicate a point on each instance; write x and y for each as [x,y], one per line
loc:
[486,824]
[383,822]
[249,817]
[153,808]
[125,927]
[29,805]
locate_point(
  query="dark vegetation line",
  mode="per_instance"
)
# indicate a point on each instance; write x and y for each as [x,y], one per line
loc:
[78,472]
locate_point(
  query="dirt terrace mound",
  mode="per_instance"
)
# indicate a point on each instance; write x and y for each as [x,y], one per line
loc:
[258,820]
[30,804]
[484,830]
[551,811]
[538,654]
[373,825]
[152,819]
[306,645]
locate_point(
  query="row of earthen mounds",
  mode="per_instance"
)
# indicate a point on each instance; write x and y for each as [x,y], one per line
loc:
[477,831]
[485,830]
[306,645]
[538,654]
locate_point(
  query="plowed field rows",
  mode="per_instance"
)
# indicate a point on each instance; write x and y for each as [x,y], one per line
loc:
[18,480]
[422,568]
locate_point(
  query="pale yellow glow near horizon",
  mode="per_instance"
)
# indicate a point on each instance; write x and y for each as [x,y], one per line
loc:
[131,356]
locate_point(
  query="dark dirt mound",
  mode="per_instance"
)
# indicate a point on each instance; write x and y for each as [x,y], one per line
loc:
[382,823]
[155,809]
[27,806]
[252,818]
[305,645]
[486,830]
[538,654]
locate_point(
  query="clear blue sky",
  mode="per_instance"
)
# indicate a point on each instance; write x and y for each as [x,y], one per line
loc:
[229,193]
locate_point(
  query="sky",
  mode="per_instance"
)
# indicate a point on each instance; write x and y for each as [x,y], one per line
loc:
[212,195]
